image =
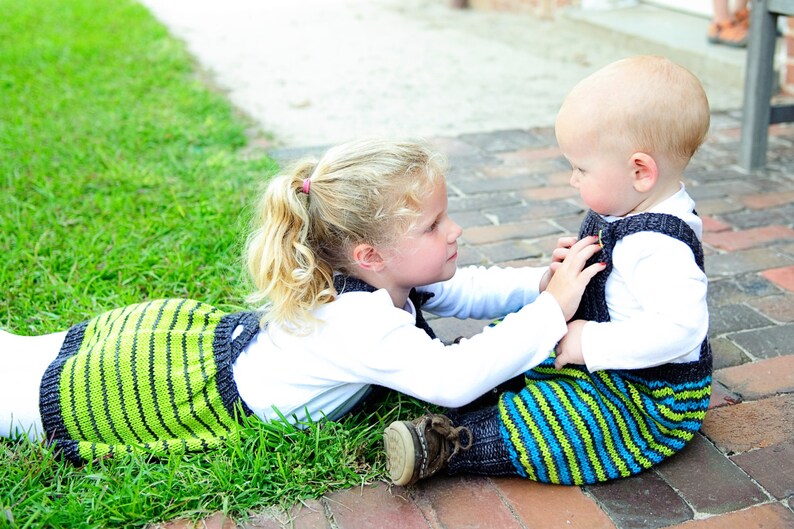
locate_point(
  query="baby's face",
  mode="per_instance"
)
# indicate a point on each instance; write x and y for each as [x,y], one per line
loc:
[600,170]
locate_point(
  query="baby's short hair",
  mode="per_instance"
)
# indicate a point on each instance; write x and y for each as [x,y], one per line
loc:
[654,104]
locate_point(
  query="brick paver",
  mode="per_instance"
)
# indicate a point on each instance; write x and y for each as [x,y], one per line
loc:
[743,239]
[751,424]
[764,378]
[772,467]
[778,308]
[783,277]
[541,505]
[769,516]
[509,191]
[456,501]
[729,488]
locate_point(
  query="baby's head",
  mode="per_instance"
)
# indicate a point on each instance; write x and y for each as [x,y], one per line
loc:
[640,105]
[646,103]
[313,215]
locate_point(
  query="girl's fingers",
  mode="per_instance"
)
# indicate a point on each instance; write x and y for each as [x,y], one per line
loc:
[566,242]
[590,272]
[586,241]
[582,251]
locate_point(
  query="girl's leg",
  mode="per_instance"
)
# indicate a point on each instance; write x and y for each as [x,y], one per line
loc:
[23,360]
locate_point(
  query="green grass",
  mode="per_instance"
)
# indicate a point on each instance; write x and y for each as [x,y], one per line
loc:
[122,180]
[270,464]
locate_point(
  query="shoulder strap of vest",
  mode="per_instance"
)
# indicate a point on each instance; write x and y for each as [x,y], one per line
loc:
[663,223]
[343,283]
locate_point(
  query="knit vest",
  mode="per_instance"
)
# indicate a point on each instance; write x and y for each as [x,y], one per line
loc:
[571,426]
[152,377]
[593,306]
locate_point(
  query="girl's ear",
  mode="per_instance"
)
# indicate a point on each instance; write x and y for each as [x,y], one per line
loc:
[368,258]
[645,172]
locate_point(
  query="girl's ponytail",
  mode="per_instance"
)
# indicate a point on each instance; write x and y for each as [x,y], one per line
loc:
[288,276]
[311,217]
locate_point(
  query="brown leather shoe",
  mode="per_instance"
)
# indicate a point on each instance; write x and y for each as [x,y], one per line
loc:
[418,449]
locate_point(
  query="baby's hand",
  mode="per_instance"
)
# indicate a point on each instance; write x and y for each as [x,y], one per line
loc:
[569,350]
[557,257]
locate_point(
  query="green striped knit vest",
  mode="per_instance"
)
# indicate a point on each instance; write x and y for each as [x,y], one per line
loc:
[575,427]
[153,377]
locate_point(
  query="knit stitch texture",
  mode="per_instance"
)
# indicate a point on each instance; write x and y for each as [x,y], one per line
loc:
[575,427]
[153,377]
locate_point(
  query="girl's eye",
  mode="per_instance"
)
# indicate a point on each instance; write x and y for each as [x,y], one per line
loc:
[432,227]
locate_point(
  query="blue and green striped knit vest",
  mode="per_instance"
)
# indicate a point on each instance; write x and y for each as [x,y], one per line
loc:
[576,427]
[153,377]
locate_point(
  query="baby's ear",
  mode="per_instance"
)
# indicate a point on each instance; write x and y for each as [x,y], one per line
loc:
[368,258]
[645,172]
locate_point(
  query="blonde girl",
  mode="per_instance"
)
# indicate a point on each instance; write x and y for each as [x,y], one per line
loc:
[345,253]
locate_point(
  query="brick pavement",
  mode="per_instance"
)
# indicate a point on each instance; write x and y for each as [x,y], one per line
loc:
[509,190]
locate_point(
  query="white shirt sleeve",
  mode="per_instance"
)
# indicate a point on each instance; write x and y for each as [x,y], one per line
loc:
[364,339]
[484,293]
[658,306]
[402,357]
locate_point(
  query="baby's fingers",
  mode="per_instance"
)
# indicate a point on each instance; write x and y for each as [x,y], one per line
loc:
[559,363]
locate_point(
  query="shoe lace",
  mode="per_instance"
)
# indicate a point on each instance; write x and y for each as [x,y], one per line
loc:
[450,434]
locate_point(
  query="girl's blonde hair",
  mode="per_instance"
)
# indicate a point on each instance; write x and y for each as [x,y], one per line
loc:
[365,191]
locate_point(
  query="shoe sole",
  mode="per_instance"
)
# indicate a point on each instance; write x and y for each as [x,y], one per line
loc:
[400,444]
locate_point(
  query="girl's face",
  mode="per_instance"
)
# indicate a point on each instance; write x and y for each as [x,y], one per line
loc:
[428,252]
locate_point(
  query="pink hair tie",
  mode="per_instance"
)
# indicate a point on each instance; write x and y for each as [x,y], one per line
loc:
[307,184]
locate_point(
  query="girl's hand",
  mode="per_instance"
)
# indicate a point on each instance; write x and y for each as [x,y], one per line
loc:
[571,277]
[557,256]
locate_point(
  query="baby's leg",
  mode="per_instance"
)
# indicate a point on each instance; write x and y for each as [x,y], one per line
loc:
[23,360]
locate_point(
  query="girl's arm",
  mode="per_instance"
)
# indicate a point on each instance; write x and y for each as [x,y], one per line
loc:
[405,359]
[484,293]
[402,357]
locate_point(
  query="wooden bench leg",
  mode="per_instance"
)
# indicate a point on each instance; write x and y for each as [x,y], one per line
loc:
[758,83]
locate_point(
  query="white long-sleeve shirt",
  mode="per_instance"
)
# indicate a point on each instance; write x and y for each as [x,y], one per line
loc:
[656,295]
[366,340]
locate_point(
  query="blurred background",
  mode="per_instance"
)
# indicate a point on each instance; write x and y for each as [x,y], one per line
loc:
[315,72]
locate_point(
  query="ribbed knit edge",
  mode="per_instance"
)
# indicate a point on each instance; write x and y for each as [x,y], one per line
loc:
[49,394]
[226,352]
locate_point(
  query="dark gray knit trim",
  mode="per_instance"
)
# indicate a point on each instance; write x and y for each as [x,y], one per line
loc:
[343,283]
[488,454]
[49,392]
[226,352]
